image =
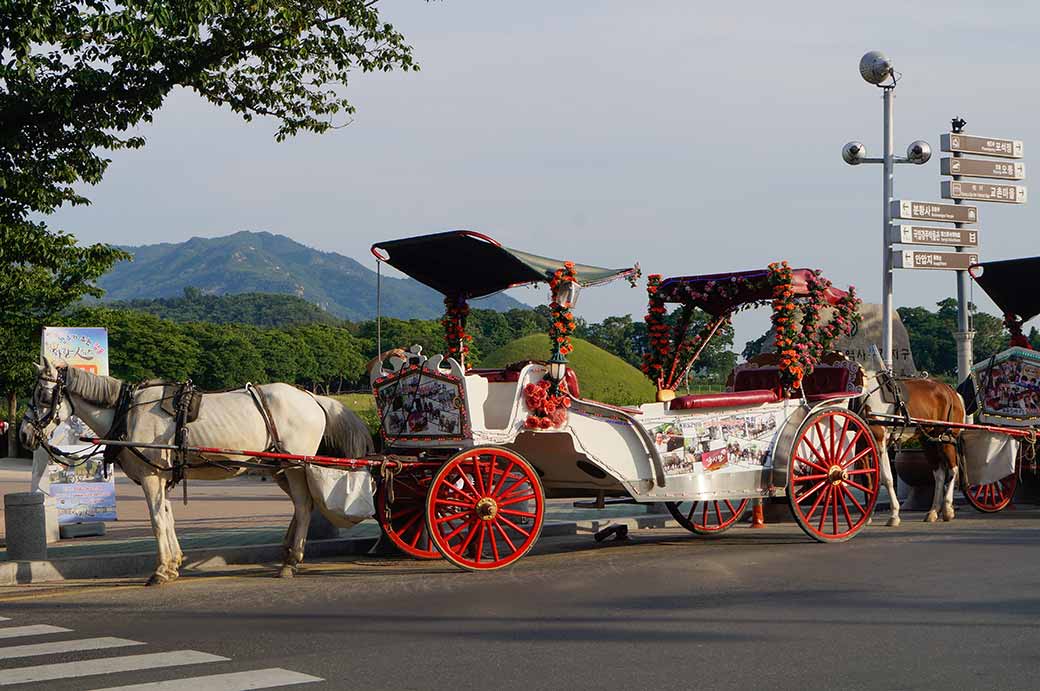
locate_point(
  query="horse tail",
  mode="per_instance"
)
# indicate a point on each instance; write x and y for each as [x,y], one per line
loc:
[346,434]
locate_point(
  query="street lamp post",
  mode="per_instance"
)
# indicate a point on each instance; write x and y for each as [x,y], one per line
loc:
[877,69]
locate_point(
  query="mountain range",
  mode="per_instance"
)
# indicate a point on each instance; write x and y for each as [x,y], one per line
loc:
[250,262]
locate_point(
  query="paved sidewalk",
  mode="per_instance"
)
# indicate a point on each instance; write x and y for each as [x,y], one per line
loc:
[240,521]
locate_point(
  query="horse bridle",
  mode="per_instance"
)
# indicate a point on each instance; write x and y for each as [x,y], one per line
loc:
[39,423]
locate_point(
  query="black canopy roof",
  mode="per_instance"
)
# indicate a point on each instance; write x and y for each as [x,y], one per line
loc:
[468,264]
[1011,284]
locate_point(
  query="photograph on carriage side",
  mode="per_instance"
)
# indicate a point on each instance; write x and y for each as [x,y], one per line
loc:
[429,345]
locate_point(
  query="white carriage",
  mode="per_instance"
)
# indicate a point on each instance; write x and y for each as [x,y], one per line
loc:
[484,448]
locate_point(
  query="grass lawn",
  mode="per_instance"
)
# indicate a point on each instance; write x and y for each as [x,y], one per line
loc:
[364,404]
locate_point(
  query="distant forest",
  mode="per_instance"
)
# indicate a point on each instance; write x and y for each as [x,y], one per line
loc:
[222,341]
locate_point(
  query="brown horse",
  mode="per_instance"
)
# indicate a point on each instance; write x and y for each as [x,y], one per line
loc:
[926,399]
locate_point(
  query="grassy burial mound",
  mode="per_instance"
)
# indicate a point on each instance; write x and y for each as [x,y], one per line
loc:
[601,375]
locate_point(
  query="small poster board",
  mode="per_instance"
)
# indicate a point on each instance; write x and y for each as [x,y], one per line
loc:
[82,494]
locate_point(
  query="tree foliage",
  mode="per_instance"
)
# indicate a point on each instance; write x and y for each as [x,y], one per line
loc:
[932,340]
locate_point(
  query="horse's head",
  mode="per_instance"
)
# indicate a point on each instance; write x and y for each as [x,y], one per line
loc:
[49,405]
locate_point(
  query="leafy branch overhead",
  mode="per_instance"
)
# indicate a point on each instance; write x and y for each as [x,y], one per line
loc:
[78,75]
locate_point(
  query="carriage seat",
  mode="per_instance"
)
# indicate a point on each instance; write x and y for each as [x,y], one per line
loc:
[725,399]
[511,374]
[825,382]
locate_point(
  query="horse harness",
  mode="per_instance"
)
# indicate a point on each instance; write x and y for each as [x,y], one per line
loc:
[181,400]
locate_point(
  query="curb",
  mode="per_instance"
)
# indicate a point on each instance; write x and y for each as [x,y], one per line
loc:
[204,559]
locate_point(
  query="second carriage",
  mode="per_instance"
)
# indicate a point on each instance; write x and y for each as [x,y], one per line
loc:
[485,448]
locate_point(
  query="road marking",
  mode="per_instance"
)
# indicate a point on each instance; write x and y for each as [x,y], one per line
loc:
[32,630]
[105,665]
[4,619]
[58,647]
[235,681]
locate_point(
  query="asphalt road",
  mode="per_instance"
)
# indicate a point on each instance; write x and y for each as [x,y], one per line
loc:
[924,606]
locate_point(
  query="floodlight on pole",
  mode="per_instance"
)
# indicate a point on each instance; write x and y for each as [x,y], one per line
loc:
[876,69]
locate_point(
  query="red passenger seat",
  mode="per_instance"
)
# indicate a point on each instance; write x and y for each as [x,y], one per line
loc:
[726,399]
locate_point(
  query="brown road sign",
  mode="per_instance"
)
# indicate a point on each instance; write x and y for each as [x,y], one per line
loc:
[934,211]
[947,261]
[981,168]
[929,235]
[983,192]
[985,146]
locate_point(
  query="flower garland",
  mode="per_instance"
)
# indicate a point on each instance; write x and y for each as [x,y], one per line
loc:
[545,410]
[561,322]
[787,337]
[802,343]
[657,332]
[454,322]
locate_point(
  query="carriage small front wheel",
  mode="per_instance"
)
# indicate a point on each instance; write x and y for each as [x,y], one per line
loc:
[485,508]
[833,475]
[708,518]
[406,526]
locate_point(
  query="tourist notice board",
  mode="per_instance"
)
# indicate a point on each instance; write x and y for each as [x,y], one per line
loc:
[981,168]
[82,493]
[983,192]
[948,261]
[934,211]
[955,142]
[931,235]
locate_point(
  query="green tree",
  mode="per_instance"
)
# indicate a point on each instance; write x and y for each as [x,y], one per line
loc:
[227,356]
[142,346]
[43,273]
[77,75]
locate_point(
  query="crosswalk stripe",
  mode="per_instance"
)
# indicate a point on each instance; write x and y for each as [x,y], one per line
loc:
[4,619]
[31,630]
[58,647]
[234,681]
[105,665]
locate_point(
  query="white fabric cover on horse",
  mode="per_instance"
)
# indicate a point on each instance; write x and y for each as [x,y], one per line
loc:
[345,497]
[988,456]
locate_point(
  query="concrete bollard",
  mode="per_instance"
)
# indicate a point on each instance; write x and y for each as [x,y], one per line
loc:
[25,523]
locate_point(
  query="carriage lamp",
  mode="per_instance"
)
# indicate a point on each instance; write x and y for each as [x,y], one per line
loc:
[567,294]
[557,367]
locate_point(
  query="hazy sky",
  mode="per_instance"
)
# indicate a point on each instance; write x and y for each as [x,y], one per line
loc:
[690,136]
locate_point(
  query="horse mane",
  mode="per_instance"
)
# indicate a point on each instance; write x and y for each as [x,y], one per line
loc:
[345,433]
[99,390]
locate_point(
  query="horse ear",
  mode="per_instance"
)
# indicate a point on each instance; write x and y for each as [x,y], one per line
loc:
[41,367]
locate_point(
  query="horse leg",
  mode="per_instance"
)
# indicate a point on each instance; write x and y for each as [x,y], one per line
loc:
[302,507]
[154,495]
[950,454]
[171,536]
[881,438]
[287,540]
[939,477]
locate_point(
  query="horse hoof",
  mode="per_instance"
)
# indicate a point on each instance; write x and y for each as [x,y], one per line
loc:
[931,517]
[157,579]
[948,515]
[894,522]
[286,572]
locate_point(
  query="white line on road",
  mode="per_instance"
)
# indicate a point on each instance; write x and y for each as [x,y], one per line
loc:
[235,681]
[4,619]
[32,630]
[58,647]
[105,665]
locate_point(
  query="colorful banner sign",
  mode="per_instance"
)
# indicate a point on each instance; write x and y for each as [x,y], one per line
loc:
[82,494]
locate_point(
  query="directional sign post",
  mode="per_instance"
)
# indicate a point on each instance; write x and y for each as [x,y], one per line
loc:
[946,261]
[983,192]
[934,211]
[980,168]
[987,146]
[1006,167]
[932,235]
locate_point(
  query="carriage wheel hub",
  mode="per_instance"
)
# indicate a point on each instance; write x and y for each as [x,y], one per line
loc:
[486,509]
[837,475]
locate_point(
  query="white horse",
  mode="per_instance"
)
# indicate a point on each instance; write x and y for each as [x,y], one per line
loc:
[231,420]
[925,399]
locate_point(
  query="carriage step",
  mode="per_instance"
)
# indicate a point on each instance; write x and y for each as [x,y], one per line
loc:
[603,503]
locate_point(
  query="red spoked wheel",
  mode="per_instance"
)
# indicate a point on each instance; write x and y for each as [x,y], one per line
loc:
[993,497]
[708,518]
[833,475]
[485,508]
[407,525]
